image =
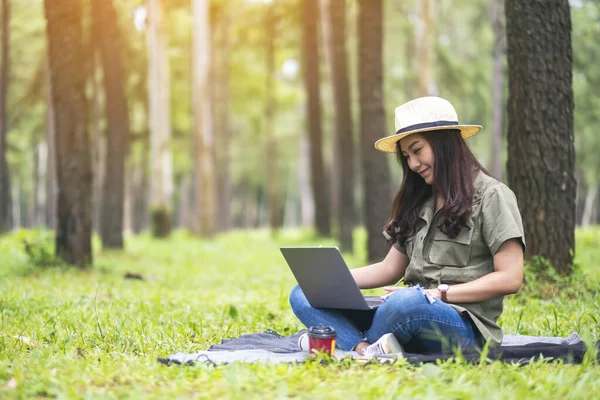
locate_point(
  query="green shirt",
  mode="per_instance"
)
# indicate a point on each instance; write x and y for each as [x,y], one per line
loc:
[435,258]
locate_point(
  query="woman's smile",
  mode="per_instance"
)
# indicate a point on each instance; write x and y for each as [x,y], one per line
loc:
[422,173]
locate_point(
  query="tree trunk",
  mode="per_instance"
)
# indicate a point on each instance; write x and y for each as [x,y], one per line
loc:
[215,107]
[97,135]
[186,212]
[271,159]
[40,213]
[110,40]
[497,89]
[16,205]
[224,139]
[597,207]
[377,191]
[311,81]
[307,200]
[344,142]
[35,190]
[291,212]
[328,99]
[51,184]
[128,197]
[140,203]
[5,191]
[74,175]
[202,119]
[161,163]
[541,154]
[424,48]
[588,208]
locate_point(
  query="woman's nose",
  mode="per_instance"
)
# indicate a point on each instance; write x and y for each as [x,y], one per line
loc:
[413,163]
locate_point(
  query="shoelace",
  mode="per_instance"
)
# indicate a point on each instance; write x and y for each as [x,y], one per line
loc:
[374,349]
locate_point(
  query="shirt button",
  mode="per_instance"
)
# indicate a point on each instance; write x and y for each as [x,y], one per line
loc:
[420,270]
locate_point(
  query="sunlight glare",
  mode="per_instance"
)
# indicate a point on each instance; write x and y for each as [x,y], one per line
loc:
[289,69]
[140,15]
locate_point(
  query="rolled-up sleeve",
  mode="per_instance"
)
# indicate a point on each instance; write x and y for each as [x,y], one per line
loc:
[396,245]
[501,217]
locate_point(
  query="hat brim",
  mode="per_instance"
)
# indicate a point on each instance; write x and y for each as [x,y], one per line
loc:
[388,144]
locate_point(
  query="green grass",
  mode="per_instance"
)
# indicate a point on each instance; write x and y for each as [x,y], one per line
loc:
[94,334]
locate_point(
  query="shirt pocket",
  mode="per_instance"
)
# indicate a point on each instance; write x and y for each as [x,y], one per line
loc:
[462,275]
[451,251]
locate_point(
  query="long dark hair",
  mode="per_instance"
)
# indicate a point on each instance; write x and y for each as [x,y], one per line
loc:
[454,172]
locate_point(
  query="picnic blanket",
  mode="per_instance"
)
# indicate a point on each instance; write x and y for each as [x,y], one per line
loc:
[271,347]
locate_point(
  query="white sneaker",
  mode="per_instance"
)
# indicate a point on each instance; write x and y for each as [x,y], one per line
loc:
[387,344]
[303,342]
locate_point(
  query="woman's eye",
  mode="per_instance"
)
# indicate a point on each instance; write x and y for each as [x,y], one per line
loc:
[417,151]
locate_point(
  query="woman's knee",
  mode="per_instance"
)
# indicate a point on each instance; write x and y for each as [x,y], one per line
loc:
[404,298]
[402,304]
[297,298]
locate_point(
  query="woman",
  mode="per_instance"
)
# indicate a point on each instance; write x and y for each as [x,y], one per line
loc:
[456,239]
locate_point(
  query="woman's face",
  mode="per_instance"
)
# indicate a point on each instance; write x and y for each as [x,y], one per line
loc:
[419,155]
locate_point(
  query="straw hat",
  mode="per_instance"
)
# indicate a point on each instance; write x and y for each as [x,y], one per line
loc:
[422,115]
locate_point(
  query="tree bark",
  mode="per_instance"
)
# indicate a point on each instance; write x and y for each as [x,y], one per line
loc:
[541,154]
[377,191]
[202,119]
[5,190]
[311,81]
[110,41]
[497,89]
[344,142]
[74,175]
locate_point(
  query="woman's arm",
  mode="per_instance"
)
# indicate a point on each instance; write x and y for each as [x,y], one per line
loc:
[506,278]
[386,272]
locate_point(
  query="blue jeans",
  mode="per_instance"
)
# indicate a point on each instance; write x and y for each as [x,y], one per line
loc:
[419,326]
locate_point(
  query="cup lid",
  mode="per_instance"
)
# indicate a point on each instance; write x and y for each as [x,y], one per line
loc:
[323,331]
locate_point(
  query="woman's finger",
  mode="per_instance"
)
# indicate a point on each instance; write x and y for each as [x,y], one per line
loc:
[391,288]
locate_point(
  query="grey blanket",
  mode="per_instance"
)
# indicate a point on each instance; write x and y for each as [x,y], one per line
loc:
[270,347]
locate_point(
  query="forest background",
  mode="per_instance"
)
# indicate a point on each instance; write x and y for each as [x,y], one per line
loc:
[220,97]
[170,147]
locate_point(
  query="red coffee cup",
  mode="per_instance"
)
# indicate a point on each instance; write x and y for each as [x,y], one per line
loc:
[321,339]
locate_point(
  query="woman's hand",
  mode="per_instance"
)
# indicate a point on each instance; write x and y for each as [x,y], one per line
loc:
[389,290]
[387,272]
[431,294]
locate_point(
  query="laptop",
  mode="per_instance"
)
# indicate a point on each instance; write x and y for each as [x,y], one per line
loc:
[325,278]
